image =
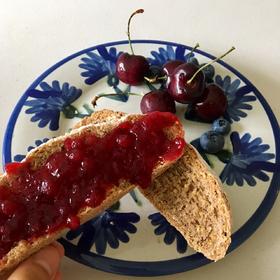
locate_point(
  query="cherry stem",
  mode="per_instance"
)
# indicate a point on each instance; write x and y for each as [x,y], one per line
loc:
[155,79]
[139,11]
[194,48]
[209,63]
[94,100]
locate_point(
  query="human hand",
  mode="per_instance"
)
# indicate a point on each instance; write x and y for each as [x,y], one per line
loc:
[44,265]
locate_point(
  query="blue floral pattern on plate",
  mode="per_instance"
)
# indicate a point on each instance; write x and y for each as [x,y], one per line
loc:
[237,97]
[171,233]
[162,55]
[97,66]
[249,160]
[48,102]
[109,228]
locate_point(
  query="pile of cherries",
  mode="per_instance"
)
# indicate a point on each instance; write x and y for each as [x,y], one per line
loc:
[184,82]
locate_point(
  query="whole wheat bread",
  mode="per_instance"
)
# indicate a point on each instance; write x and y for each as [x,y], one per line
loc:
[38,157]
[191,198]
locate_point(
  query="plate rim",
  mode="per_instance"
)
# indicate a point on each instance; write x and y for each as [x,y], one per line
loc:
[156,268]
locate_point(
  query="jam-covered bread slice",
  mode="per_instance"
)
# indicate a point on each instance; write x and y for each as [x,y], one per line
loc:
[72,178]
[191,198]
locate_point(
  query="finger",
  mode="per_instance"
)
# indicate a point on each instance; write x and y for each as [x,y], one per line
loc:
[41,266]
[59,247]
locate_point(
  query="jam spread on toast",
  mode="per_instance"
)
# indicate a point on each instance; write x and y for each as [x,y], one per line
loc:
[81,174]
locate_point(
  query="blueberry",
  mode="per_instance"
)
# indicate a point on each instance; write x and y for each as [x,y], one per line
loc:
[212,142]
[193,60]
[221,126]
[209,72]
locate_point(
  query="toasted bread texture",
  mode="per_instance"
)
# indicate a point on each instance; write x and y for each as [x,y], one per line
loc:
[191,198]
[38,157]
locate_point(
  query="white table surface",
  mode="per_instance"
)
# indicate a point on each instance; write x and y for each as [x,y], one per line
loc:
[36,34]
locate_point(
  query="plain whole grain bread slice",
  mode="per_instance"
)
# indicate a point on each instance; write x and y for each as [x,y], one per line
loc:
[38,157]
[191,198]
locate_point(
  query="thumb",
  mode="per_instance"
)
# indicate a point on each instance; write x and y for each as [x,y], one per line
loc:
[43,265]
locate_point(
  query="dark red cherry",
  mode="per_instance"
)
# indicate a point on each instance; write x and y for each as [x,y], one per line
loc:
[213,106]
[200,98]
[131,68]
[157,100]
[181,89]
[168,69]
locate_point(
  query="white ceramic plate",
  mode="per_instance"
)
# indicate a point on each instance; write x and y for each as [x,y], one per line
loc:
[135,239]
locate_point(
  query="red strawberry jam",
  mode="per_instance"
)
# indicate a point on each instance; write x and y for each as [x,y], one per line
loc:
[49,198]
